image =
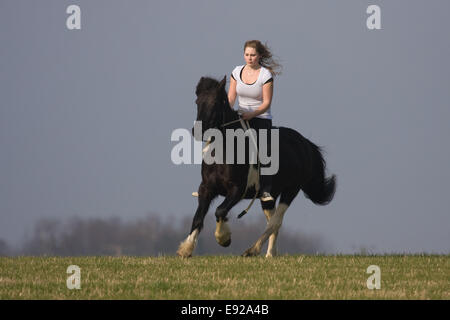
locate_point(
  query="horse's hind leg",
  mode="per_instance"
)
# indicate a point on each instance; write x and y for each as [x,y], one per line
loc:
[188,245]
[272,227]
[274,223]
[269,211]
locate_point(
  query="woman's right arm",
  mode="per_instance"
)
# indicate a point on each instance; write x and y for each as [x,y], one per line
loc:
[232,92]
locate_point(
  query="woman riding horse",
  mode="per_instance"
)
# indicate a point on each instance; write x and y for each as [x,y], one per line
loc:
[301,165]
[252,83]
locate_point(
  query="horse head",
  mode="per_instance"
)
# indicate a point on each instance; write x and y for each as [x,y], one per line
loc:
[212,101]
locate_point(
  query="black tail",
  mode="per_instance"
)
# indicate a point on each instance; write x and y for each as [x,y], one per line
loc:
[319,190]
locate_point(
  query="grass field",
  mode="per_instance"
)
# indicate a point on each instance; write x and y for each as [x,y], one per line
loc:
[227,277]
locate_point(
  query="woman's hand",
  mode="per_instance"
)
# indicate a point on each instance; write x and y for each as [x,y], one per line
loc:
[248,115]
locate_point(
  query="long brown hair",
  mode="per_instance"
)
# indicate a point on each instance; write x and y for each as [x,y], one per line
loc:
[266,59]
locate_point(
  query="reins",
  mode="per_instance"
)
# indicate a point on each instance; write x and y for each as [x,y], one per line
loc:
[231,122]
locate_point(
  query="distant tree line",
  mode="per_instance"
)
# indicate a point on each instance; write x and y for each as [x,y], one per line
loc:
[148,236]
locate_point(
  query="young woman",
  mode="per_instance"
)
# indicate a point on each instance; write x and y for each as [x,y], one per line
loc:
[253,84]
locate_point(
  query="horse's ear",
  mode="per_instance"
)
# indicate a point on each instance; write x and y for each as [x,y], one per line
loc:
[199,86]
[223,82]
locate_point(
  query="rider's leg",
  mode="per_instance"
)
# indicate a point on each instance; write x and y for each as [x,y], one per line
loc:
[265,180]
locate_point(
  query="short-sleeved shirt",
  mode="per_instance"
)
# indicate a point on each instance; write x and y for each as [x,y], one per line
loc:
[250,95]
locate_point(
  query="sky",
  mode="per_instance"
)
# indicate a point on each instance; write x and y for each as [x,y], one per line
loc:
[86,115]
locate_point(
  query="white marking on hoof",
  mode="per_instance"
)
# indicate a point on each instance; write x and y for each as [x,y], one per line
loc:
[271,254]
[223,233]
[195,194]
[187,246]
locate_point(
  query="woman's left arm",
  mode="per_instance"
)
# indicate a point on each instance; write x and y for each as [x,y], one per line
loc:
[267,100]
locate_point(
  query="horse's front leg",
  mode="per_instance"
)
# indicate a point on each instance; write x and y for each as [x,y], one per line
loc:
[204,200]
[223,233]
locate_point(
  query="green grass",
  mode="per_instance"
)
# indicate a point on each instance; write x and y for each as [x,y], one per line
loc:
[227,277]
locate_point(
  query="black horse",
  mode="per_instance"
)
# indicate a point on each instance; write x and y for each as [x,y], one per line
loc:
[301,167]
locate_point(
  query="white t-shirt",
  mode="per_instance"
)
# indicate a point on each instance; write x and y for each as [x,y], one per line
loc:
[250,95]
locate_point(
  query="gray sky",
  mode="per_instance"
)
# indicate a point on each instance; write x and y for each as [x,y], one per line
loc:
[86,115]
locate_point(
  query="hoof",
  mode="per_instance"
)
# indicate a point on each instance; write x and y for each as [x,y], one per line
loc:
[182,254]
[226,243]
[250,253]
[187,246]
[223,233]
